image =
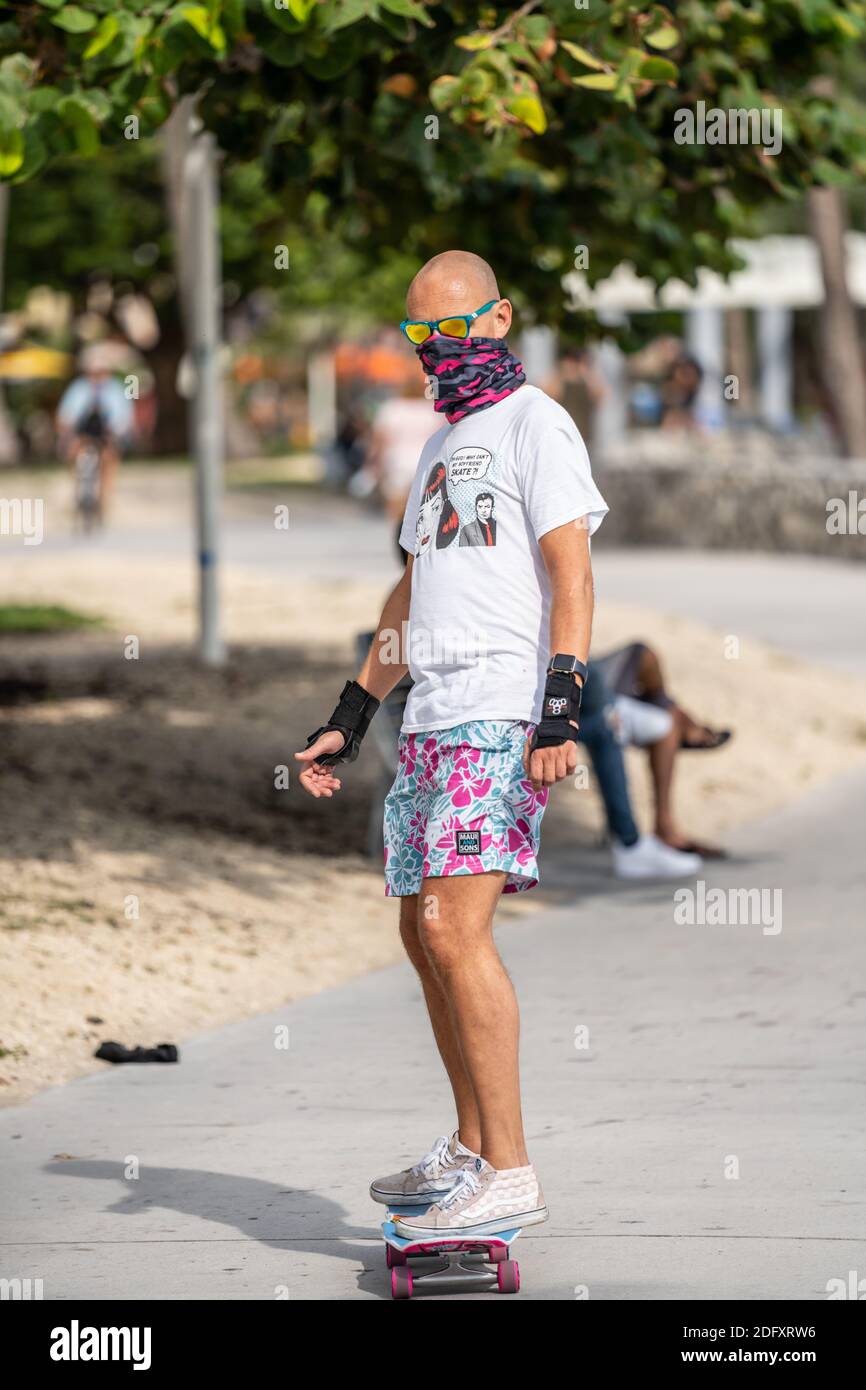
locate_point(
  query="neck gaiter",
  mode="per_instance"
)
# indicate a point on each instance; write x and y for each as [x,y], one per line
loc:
[469,373]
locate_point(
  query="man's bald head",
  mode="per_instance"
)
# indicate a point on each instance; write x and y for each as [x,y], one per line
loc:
[459,282]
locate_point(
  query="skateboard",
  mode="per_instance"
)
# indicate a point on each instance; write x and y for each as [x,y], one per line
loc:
[480,1261]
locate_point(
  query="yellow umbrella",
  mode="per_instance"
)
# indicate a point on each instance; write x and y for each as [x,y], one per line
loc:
[35,364]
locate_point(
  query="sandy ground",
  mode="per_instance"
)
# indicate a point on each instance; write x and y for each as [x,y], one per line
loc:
[153,882]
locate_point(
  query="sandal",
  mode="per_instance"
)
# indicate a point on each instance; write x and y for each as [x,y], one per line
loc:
[705,851]
[716,739]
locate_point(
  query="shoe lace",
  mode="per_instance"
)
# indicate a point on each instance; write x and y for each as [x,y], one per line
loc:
[465,1187]
[434,1159]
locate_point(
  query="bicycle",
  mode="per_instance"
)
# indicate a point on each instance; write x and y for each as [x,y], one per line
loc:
[88,484]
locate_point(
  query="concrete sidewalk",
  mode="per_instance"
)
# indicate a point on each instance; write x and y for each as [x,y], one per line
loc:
[709,1045]
[811,606]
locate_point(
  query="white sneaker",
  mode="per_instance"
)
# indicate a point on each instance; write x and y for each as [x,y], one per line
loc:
[483,1201]
[432,1177]
[650,857]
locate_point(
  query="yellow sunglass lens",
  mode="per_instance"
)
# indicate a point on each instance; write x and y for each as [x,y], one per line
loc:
[454,328]
[417,332]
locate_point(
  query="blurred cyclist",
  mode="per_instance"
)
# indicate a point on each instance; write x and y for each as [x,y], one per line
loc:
[95,412]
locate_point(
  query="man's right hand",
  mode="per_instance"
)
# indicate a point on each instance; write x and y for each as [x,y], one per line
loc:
[315,779]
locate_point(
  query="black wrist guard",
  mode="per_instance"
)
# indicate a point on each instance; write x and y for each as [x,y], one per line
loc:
[351,718]
[561,704]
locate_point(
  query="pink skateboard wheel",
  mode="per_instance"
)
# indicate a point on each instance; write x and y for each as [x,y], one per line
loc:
[401,1282]
[508,1276]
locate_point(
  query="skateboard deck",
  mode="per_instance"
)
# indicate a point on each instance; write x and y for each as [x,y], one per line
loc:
[480,1261]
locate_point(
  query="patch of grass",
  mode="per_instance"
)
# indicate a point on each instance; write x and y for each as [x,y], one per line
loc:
[27,618]
[276,483]
[298,471]
[71,904]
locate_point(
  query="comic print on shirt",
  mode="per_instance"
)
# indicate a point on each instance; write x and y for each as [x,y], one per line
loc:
[486,491]
[458,502]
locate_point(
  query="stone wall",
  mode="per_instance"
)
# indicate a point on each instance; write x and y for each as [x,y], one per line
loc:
[695,494]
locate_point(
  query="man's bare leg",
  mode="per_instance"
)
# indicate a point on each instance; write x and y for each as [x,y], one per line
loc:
[662,756]
[456,932]
[468,1124]
[650,678]
[110,462]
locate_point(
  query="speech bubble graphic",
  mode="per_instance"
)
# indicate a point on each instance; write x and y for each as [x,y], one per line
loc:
[467,465]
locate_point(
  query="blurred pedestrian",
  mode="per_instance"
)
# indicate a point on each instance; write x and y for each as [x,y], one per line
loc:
[679,393]
[580,389]
[401,428]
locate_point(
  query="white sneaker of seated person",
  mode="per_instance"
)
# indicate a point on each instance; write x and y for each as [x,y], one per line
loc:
[650,857]
[483,1201]
[432,1177]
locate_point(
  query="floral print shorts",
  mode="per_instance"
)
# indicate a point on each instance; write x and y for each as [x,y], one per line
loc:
[461,803]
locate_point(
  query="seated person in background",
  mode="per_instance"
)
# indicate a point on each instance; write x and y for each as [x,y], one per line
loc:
[648,717]
[635,856]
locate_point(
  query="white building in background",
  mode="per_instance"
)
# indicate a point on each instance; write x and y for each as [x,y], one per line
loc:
[781,274]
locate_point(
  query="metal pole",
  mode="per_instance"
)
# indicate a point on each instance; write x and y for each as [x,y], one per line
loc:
[207,405]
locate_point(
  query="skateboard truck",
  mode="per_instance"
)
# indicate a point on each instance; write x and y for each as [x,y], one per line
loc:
[449,1262]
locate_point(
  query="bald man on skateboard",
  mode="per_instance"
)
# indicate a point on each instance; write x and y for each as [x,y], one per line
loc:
[498,596]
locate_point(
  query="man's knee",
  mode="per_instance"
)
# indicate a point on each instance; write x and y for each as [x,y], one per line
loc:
[440,945]
[433,927]
[428,933]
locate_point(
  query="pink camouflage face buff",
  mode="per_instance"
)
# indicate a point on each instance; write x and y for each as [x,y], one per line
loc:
[470,373]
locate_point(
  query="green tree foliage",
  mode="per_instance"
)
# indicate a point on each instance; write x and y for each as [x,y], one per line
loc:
[87,220]
[522,132]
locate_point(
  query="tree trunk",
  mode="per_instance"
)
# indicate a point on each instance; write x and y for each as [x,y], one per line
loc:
[172,430]
[841,353]
[171,434]
[9,447]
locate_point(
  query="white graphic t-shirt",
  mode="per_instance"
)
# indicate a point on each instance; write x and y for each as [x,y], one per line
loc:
[485,492]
